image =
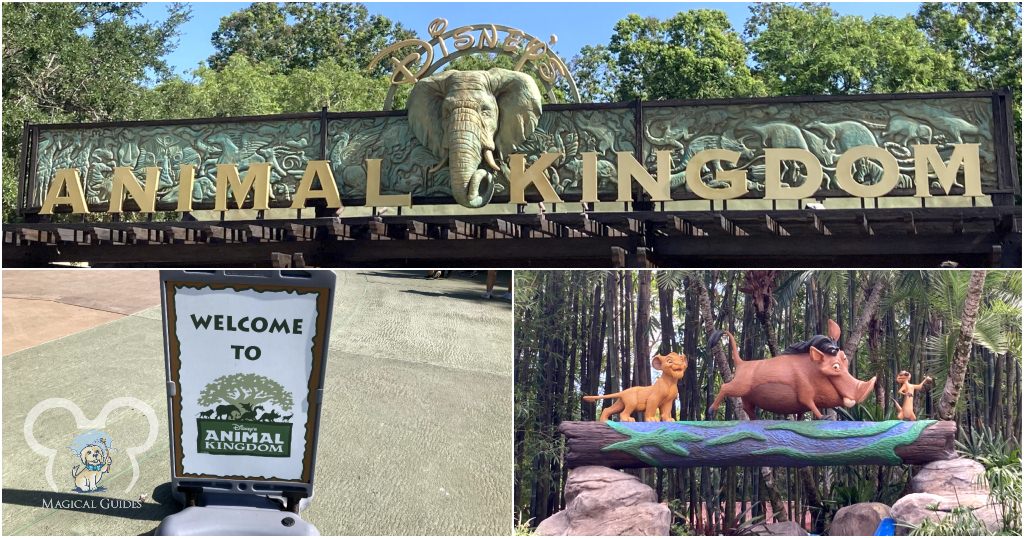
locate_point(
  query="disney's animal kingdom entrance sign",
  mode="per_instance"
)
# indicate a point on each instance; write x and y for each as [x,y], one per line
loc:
[486,141]
[480,137]
[245,372]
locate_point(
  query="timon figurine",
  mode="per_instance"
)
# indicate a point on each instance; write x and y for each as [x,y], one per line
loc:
[649,399]
[907,389]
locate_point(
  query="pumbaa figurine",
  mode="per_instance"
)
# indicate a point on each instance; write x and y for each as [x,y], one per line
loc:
[807,376]
[907,389]
[650,399]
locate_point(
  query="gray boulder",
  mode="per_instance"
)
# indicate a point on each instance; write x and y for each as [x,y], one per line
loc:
[859,519]
[915,508]
[947,477]
[941,486]
[604,502]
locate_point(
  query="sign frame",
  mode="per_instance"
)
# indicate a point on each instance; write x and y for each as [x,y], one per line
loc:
[318,282]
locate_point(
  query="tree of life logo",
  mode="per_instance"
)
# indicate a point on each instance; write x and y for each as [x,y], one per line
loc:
[246,417]
[91,451]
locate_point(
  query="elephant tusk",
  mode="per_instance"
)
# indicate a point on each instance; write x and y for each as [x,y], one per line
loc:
[489,159]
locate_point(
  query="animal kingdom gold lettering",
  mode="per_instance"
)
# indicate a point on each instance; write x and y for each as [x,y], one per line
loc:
[318,180]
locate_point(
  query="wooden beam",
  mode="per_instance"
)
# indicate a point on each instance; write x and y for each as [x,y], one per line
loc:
[280,260]
[299,231]
[731,227]
[772,443]
[618,257]
[226,234]
[76,236]
[341,231]
[113,236]
[774,226]
[643,259]
[865,226]
[685,227]
[819,225]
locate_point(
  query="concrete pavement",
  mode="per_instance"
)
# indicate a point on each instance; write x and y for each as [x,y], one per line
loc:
[416,434]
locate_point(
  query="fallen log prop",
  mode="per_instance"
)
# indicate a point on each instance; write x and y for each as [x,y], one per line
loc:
[759,443]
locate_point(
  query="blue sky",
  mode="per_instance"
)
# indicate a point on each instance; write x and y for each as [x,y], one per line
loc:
[575,24]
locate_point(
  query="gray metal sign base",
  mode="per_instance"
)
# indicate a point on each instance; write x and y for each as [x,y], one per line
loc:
[235,515]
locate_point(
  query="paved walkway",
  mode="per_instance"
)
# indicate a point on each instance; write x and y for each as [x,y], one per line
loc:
[416,435]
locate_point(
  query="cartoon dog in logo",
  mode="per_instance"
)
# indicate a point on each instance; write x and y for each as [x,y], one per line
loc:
[95,463]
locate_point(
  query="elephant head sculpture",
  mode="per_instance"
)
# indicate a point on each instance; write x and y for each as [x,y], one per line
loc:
[470,120]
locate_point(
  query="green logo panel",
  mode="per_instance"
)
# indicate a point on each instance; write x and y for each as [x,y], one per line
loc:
[244,438]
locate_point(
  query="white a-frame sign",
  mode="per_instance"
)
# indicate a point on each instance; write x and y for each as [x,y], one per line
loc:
[245,356]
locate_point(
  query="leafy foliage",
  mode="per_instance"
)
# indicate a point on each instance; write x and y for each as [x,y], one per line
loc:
[693,54]
[242,87]
[984,39]
[67,62]
[302,35]
[810,49]
[960,521]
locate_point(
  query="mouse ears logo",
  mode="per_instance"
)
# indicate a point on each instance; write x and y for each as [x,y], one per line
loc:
[91,452]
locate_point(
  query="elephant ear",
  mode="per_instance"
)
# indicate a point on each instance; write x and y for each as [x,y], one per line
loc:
[424,109]
[519,107]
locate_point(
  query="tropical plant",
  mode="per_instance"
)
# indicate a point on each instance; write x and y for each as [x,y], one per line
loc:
[960,521]
[1003,478]
[976,443]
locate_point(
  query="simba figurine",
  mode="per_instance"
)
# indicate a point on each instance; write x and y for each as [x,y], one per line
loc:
[658,396]
[907,389]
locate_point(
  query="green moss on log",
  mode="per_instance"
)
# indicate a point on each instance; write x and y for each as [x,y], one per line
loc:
[662,438]
[709,423]
[883,448]
[814,430]
[736,437]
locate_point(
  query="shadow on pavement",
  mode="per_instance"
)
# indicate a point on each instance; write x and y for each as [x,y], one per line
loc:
[468,295]
[90,504]
[403,275]
[477,276]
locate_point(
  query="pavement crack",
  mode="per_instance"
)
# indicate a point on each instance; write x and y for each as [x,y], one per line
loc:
[76,305]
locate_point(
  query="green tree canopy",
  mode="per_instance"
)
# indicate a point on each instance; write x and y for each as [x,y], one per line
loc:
[694,54]
[301,35]
[69,62]
[253,389]
[242,87]
[984,39]
[810,49]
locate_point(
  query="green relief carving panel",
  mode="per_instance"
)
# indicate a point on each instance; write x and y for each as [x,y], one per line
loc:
[286,144]
[574,132]
[406,164]
[826,129]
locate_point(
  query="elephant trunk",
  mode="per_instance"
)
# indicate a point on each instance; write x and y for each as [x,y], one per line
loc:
[466,149]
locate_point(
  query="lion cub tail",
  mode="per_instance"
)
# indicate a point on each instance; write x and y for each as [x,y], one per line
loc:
[604,397]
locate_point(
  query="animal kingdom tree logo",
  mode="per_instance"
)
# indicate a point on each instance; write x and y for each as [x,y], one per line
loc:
[246,418]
